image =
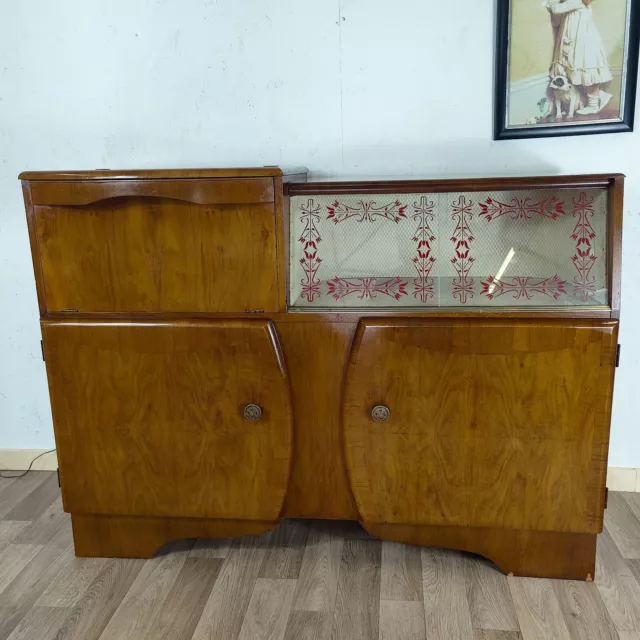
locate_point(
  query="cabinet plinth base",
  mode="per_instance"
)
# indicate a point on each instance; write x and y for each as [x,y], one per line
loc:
[534,554]
[133,537]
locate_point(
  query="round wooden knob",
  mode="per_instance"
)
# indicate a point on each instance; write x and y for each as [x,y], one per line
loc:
[252,412]
[380,413]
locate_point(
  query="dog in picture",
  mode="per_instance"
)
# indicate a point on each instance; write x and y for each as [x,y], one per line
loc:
[563,94]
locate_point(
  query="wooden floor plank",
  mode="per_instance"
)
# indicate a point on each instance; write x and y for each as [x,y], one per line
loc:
[24,590]
[18,489]
[609,559]
[36,576]
[185,602]
[622,602]
[13,559]
[634,568]
[617,585]
[307,625]
[490,602]
[349,585]
[491,634]
[446,608]
[40,623]
[317,583]
[538,609]
[632,499]
[144,601]
[210,548]
[402,620]
[624,526]
[43,529]
[5,483]
[10,530]
[583,610]
[286,548]
[268,610]
[401,574]
[70,584]
[226,607]
[62,535]
[357,609]
[88,619]
[32,505]
[349,529]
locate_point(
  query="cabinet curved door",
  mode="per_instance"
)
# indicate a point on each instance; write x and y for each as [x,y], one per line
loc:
[482,423]
[156,418]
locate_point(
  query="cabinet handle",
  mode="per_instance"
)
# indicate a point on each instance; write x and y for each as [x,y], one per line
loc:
[252,412]
[380,413]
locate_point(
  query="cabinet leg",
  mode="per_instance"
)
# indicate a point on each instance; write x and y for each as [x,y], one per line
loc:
[131,537]
[536,554]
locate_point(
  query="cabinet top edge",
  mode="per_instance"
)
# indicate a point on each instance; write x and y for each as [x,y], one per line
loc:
[400,185]
[163,174]
[345,316]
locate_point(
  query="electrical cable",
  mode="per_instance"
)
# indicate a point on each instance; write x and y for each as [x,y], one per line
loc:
[24,473]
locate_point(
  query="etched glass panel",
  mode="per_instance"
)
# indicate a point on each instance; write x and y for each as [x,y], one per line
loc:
[501,248]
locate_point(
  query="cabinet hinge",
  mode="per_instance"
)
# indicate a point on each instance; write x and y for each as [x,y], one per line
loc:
[618,356]
[58,472]
[606,497]
[42,350]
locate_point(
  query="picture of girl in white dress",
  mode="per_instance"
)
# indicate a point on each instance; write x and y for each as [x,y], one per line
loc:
[565,67]
[578,53]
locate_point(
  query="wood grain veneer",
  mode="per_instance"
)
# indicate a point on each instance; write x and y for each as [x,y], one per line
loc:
[150,417]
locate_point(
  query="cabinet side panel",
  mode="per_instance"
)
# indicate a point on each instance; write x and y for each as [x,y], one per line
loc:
[35,249]
[602,431]
[282,240]
[614,246]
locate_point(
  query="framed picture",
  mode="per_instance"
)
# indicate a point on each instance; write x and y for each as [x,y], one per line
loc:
[565,67]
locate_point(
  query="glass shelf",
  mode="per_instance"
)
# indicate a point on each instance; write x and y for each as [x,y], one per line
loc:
[520,248]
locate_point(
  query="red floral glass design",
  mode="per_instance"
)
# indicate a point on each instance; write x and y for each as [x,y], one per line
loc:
[584,284]
[424,261]
[462,238]
[522,208]
[366,211]
[310,238]
[524,287]
[367,288]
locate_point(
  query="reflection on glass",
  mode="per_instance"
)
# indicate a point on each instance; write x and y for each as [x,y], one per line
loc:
[502,269]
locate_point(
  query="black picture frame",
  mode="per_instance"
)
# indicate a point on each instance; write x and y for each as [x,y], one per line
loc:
[502,132]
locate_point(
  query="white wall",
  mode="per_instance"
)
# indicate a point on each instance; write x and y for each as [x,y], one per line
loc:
[358,87]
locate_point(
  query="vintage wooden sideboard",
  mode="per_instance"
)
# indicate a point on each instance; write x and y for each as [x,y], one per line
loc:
[226,348]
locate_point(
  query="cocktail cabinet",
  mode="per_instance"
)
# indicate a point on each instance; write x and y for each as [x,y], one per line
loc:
[226,348]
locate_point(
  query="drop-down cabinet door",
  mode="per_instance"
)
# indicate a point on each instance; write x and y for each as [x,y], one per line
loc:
[170,419]
[480,423]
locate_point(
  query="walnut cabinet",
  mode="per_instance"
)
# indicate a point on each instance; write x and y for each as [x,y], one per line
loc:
[229,347]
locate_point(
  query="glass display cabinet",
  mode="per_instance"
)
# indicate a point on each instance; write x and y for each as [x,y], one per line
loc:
[229,347]
[535,247]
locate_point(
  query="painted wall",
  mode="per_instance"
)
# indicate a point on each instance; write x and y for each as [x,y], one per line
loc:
[349,88]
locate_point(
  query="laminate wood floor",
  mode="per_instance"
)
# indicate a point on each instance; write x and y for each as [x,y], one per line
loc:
[308,580]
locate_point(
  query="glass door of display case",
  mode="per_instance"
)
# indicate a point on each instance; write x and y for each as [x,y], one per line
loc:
[502,248]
